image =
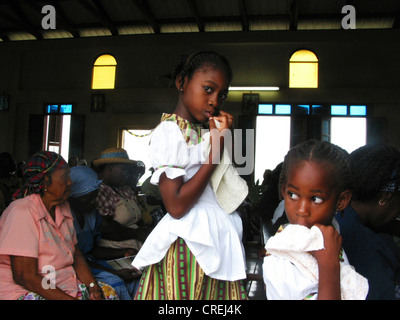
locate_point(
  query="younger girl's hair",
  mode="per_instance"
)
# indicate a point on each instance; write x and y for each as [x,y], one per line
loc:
[189,63]
[320,152]
[375,168]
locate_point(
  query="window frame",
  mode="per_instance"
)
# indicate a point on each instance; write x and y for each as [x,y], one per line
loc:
[292,63]
[99,66]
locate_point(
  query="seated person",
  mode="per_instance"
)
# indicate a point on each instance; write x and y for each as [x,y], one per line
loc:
[39,255]
[375,204]
[87,222]
[122,225]
[9,181]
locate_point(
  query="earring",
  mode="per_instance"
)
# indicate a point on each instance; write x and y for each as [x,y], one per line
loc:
[45,189]
[181,90]
[381,202]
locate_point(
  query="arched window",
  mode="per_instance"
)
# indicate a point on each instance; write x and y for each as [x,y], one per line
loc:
[104,72]
[303,70]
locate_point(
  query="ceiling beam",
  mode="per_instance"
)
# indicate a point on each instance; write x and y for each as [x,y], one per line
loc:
[62,17]
[24,21]
[62,22]
[98,11]
[294,14]
[4,37]
[243,13]
[396,22]
[195,12]
[143,7]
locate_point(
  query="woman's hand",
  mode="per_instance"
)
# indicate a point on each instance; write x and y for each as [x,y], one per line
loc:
[95,293]
[128,274]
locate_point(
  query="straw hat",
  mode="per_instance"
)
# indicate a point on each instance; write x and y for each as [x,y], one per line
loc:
[113,155]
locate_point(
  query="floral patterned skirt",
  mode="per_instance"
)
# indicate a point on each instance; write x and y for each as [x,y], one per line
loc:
[178,276]
[83,293]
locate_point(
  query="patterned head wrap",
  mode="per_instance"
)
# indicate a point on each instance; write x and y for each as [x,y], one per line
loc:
[38,166]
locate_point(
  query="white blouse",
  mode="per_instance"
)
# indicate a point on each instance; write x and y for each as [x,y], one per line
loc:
[290,272]
[213,236]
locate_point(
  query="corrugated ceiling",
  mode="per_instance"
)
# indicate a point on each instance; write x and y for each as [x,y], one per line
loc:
[22,19]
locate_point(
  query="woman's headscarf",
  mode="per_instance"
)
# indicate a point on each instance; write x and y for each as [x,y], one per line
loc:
[38,166]
[84,181]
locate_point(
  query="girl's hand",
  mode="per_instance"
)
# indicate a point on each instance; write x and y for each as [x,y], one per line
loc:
[329,264]
[223,121]
[332,244]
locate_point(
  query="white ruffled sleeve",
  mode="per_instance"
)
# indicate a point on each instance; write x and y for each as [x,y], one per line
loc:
[168,152]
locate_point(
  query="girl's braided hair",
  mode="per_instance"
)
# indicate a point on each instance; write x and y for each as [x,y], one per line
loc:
[190,63]
[320,152]
[373,167]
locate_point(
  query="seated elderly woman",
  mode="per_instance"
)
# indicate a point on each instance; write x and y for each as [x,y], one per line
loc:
[39,256]
[87,222]
[123,225]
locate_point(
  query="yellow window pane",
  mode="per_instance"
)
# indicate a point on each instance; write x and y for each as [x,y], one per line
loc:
[303,56]
[303,75]
[105,60]
[103,77]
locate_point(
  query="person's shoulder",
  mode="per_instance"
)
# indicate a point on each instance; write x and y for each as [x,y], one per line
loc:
[104,188]
[166,132]
[21,208]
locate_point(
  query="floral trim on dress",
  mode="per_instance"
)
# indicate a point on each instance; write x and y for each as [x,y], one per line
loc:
[191,132]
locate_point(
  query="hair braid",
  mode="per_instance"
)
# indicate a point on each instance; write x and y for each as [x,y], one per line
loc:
[320,151]
[373,167]
[190,63]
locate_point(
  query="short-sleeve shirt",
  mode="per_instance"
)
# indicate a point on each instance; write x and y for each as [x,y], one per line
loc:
[28,230]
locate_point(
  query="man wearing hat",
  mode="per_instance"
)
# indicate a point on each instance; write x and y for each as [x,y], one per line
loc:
[117,202]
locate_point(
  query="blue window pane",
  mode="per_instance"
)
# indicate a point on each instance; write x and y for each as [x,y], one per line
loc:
[66,108]
[358,110]
[265,108]
[306,107]
[52,108]
[283,108]
[339,110]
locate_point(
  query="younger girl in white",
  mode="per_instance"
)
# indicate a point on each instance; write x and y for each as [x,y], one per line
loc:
[304,259]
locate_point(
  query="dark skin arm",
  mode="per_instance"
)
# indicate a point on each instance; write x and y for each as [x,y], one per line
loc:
[125,274]
[113,230]
[179,196]
[103,253]
[25,273]
[329,264]
[84,274]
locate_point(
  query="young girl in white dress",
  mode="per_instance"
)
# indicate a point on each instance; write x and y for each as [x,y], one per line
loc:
[305,259]
[195,251]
